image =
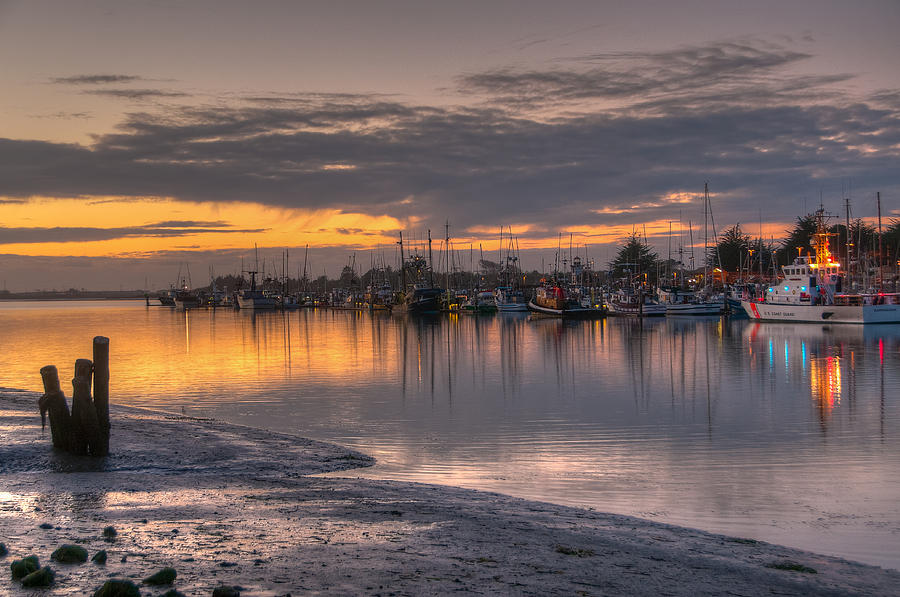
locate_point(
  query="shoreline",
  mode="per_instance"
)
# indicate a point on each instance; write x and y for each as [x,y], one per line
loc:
[234,505]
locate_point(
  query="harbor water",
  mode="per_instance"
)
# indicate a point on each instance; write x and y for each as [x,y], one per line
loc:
[786,433]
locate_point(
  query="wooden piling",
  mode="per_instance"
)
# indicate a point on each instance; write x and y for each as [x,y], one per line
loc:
[53,402]
[101,391]
[86,432]
[84,368]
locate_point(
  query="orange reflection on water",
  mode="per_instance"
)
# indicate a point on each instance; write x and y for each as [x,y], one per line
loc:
[825,383]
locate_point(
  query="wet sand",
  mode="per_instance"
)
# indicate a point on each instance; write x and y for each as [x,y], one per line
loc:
[230,505]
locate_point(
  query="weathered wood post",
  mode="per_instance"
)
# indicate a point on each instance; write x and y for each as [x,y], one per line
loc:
[86,436]
[54,402]
[101,391]
[86,429]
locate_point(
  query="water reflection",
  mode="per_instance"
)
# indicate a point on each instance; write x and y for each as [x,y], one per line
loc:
[787,433]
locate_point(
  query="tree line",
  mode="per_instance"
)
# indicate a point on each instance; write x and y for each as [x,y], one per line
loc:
[737,251]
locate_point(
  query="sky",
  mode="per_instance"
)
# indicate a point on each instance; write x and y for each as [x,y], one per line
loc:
[138,139]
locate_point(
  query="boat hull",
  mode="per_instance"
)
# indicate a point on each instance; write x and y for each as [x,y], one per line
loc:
[423,301]
[512,307]
[256,302]
[635,311]
[694,309]
[822,313]
[572,313]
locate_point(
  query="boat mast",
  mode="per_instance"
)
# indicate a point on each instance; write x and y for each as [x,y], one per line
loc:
[691,233]
[430,262]
[705,234]
[402,265]
[847,243]
[305,289]
[447,249]
[669,255]
[880,256]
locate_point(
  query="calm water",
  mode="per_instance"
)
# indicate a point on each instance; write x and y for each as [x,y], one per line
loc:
[784,433]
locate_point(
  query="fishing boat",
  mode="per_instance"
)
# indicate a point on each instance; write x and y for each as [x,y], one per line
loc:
[423,301]
[255,298]
[636,303]
[420,296]
[552,299]
[686,302]
[187,299]
[510,299]
[482,302]
[810,290]
[167,297]
[379,297]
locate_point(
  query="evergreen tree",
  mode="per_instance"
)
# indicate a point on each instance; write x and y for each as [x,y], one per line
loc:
[798,237]
[732,249]
[633,259]
[892,242]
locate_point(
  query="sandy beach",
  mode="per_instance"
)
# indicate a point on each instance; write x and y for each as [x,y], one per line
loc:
[227,505]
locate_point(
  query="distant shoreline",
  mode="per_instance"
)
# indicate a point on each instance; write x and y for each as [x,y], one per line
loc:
[81,296]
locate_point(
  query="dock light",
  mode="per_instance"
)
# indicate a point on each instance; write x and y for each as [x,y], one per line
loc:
[786,288]
[799,251]
[803,288]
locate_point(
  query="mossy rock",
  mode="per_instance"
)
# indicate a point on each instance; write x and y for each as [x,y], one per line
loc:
[118,588]
[226,591]
[166,576]
[39,578]
[109,533]
[3,550]
[792,566]
[173,593]
[70,554]
[99,557]
[574,551]
[24,567]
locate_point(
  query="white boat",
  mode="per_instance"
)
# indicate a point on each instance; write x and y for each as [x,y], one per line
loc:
[509,299]
[686,302]
[810,291]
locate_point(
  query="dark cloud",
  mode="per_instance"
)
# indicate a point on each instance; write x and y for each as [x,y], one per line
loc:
[135,94]
[65,116]
[732,68]
[95,79]
[9,236]
[724,113]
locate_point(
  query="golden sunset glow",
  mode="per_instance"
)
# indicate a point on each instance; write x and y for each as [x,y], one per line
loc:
[213,226]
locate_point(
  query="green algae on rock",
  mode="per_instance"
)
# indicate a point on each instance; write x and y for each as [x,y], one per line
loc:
[99,557]
[39,578]
[70,554]
[118,588]
[166,576]
[24,567]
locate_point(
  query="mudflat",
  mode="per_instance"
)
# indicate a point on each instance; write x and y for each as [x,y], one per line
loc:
[227,505]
